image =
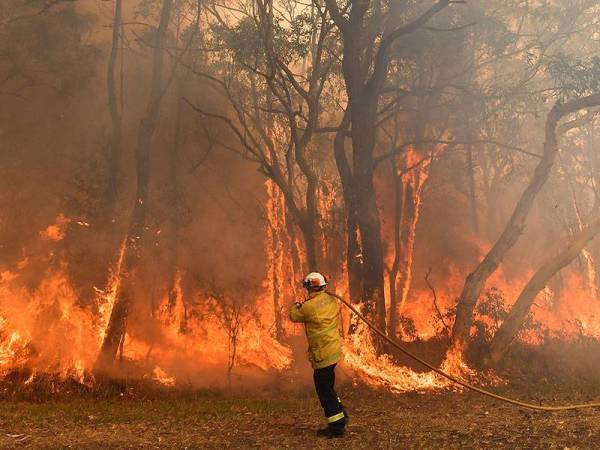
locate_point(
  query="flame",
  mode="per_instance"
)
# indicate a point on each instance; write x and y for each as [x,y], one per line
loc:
[381,371]
[105,299]
[454,364]
[56,231]
[48,331]
[160,376]
[10,350]
[45,329]
[255,344]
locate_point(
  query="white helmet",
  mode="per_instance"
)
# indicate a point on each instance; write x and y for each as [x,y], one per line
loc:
[314,280]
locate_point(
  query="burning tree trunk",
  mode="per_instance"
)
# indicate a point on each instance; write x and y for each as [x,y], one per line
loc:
[367,216]
[276,221]
[518,314]
[116,327]
[476,280]
[365,88]
[408,188]
[398,207]
[103,245]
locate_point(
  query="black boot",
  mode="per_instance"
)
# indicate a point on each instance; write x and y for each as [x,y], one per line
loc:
[337,431]
[323,432]
[331,432]
[334,430]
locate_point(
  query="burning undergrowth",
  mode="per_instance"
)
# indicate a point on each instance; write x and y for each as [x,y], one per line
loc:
[45,330]
[50,339]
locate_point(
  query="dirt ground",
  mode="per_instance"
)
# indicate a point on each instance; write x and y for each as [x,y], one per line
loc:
[289,420]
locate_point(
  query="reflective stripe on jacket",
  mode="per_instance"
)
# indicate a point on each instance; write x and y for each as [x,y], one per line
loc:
[320,315]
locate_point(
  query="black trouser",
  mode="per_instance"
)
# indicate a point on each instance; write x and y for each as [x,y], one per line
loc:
[325,386]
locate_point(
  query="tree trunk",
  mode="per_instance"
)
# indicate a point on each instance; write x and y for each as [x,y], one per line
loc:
[361,206]
[364,88]
[116,327]
[353,258]
[408,199]
[408,231]
[99,252]
[520,310]
[175,205]
[114,155]
[277,215]
[353,250]
[398,208]
[472,190]
[310,233]
[476,280]
[369,226]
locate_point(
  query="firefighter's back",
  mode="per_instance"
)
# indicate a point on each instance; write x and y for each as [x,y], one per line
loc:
[322,330]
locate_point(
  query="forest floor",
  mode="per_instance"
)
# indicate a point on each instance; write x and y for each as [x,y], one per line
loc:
[288,420]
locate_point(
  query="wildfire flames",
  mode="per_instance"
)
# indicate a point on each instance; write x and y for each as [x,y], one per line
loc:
[45,329]
[360,355]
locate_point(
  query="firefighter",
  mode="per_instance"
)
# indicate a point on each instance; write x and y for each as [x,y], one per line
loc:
[319,314]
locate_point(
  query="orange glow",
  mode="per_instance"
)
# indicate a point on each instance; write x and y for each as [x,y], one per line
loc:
[46,330]
[381,371]
[56,231]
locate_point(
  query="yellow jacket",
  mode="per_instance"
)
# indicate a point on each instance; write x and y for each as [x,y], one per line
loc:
[319,314]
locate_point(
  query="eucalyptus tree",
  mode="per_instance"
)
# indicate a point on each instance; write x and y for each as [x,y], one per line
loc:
[577,88]
[116,327]
[369,30]
[542,33]
[271,68]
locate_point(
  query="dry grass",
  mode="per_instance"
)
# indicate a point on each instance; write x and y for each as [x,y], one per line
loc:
[289,420]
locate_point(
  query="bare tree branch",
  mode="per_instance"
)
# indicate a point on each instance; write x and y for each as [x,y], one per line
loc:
[404,146]
[577,123]
[435,303]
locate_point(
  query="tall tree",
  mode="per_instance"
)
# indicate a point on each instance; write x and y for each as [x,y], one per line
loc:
[366,61]
[520,310]
[275,110]
[114,154]
[475,282]
[116,328]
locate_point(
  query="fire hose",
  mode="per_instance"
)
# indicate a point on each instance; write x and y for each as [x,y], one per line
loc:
[452,378]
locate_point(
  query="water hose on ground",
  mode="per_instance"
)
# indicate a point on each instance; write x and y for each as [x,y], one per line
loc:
[452,378]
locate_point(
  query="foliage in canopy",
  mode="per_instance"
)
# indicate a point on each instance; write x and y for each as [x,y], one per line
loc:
[245,40]
[574,77]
